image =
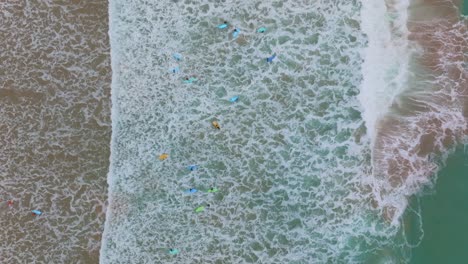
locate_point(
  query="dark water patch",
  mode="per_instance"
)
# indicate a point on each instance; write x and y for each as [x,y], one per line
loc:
[444,216]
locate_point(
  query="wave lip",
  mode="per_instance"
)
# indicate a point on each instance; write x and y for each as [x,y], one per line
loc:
[386,58]
[426,114]
[114,117]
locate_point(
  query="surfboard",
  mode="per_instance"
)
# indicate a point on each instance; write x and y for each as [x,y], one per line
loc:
[216,125]
[235,34]
[174,70]
[192,167]
[177,56]
[191,80]
[191,190]
[173,251]
[270,59]
[36,212]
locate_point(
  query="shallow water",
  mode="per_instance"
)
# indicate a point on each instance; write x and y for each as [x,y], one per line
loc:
[54,130]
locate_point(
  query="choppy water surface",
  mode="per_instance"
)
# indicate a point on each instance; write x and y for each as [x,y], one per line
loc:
[54,129]
[291,161]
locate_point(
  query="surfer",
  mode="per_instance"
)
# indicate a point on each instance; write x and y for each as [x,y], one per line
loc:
[216,125]
[212,190]
[192,167]
[177,56]
[36,212]
[173,251]
[201,208]
[234,99]
[235,33]
[262,30]
[10,203]
[163,156]
[190,80]
[191,190]
[175,70]
[223,25]
[270,59]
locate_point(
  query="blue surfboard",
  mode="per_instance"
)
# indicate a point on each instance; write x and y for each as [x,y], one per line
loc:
[270,59]
[192,167]
[36,212]
[174,70]
[234,99]
[177,56]
[235,34]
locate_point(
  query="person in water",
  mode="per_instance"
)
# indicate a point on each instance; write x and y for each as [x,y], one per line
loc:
[191,190]
[36,212]
[224,25]
[234,99]
[173,251]
[270,59]
[177,56]
[212,190]
[216,125]
[175,70]
[190,80]
[235,33]
[201,208]
[192,167]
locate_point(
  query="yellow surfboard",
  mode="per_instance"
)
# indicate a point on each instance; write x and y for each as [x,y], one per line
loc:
[216,125]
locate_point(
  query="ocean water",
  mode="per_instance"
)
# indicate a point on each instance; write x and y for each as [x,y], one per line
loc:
[347,148]
[444,215]
[320,159]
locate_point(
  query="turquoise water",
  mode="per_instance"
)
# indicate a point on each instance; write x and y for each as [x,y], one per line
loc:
[465,8]
[445,215]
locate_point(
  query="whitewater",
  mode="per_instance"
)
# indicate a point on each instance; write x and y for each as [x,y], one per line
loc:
[295,158]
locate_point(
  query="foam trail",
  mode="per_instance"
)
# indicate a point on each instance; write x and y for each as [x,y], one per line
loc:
[114,52]
[386,57]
